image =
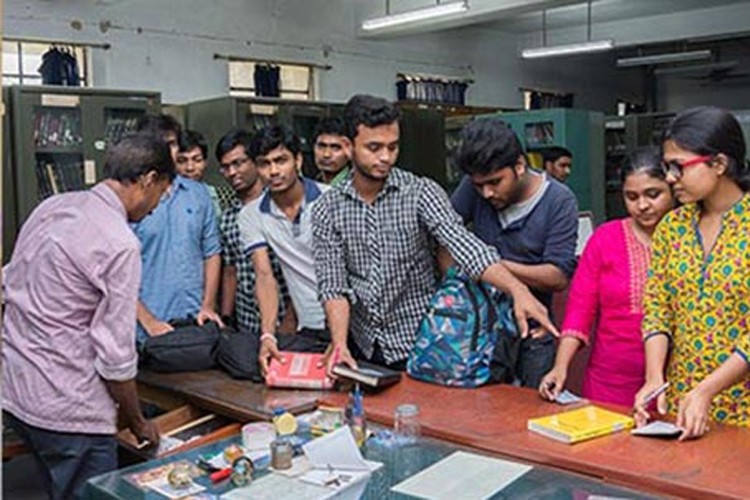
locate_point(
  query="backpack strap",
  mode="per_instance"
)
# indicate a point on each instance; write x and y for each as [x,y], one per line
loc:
[466,282]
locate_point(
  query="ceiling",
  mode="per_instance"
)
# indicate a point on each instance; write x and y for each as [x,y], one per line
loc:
[628,22]
[602,11]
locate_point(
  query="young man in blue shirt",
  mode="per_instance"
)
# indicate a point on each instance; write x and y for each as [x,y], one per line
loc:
[529,217]
[181,251]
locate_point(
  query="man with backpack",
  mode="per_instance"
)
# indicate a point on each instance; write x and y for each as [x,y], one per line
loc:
[372,238]
[531,218]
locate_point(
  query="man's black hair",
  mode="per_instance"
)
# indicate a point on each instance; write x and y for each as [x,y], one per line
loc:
[190,139]
[271,137]
[232,139]
[554,153]
[369,111]
[158,125]
[486,145]
[329,126]
[135,155]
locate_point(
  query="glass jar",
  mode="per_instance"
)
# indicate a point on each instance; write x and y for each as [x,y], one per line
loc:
[281,453]
[406,423]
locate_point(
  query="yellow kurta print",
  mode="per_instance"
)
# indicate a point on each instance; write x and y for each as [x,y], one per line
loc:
[702,303]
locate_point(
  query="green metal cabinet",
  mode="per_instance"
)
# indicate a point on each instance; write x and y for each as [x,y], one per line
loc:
[422,144]
[215,117]
[582,132]
[55,142]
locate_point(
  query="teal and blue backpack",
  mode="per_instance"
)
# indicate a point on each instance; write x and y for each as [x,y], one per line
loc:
[468,337]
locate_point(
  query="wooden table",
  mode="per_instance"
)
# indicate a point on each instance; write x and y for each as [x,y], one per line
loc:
[217,392]
[494,419]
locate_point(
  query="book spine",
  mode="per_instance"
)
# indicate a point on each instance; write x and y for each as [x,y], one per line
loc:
[52,178]
[297,383]
[583,436]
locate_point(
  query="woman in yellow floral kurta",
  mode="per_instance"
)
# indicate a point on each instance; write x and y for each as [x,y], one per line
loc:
[697,297]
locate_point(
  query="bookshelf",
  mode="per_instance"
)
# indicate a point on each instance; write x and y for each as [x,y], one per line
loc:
[56,140]
[429,134]
[580,131]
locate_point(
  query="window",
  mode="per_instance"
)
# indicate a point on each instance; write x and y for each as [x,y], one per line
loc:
[295,80]
[21,61]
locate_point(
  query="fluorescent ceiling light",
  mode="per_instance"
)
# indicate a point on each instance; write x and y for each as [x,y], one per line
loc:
[429,13]
[567,50]
[674,57]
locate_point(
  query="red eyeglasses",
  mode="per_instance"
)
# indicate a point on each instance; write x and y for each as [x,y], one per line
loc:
[675,168]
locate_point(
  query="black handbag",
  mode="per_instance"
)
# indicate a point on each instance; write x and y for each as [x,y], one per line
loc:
[237,354]
[189,347]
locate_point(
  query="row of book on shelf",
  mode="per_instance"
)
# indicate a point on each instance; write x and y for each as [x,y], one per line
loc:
[59,177]
[117,128]
[57,129]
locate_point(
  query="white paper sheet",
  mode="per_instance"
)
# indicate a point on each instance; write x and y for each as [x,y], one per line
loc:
[566,398]
[480,477]
[337,450]
[658,428]
[275,487]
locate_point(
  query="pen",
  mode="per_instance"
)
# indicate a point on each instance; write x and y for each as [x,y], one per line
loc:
[655,393]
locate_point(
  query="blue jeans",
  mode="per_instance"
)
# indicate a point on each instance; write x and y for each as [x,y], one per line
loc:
[66,460]
[536,358]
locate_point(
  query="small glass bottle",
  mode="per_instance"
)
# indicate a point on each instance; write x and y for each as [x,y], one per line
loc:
[282,450]
[357,417]
[406,423]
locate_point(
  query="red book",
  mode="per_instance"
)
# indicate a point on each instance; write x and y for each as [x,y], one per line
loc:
[300,370]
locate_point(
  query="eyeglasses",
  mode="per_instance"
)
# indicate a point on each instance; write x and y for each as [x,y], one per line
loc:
[675,168]
[234,164]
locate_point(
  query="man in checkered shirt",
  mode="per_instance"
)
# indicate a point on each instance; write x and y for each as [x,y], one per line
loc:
[238,275]
[373,239]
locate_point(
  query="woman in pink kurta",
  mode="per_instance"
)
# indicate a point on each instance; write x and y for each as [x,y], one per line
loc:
[605,298]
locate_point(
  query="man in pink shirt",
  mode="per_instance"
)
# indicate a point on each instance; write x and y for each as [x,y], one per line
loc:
[69,359]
